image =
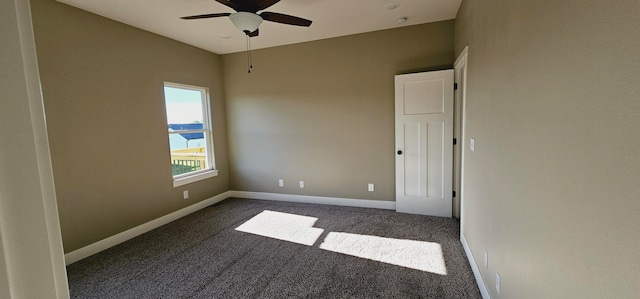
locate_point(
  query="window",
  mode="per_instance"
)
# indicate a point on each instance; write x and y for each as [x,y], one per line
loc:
[189,128]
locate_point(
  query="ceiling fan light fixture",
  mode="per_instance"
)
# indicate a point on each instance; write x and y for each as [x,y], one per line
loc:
[245,21]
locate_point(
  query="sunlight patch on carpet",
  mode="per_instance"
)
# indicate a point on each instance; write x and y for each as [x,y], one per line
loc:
[418,255]
[283,226]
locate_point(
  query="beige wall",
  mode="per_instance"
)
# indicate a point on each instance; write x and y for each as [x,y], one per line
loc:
[103,91]
[323,111]
[552,188]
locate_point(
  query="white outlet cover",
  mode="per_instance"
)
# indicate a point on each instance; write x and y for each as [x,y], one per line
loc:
[301,184]
[185,194]
[472,144]
[497,282]
[370,187]
[280,183]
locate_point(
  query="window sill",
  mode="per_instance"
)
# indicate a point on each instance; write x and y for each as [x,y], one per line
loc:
[177,182]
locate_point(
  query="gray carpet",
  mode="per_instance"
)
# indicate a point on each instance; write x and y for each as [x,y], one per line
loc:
[203,256]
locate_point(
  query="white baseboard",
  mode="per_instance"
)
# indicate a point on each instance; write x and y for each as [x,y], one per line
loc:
[114,240]
[129,234]
[474,267]
[350,202]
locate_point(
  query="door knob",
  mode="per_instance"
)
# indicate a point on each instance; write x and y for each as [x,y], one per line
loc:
[399,152]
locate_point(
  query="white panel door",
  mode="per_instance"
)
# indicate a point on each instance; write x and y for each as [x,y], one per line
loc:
[424,143]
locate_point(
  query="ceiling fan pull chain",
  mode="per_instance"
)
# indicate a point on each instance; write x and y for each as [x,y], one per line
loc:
[250,50]
[248,54]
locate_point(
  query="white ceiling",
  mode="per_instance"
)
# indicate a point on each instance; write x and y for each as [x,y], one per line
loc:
[331,18]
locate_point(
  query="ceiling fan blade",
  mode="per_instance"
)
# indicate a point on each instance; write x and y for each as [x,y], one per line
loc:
[285,19]
[212,15]
[255,33]
[264,4]
[229,4]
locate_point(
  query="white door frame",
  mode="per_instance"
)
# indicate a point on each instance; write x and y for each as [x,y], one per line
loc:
[460,77]
[31,246]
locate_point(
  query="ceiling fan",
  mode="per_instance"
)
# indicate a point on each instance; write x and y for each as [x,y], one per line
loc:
[246,17]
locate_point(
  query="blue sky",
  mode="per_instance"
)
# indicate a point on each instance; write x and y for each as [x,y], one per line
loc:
[183,105]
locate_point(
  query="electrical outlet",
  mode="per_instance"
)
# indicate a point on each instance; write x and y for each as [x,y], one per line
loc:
[185,194]
[472,144]
[301,184]
[370,188]
[280,183]
[497,282]
[486,258]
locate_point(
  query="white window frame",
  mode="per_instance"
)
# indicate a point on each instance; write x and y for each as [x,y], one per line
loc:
[207,129]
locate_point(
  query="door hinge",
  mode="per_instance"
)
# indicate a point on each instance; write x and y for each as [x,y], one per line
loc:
[454,193]
[455,86]
[455,141]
